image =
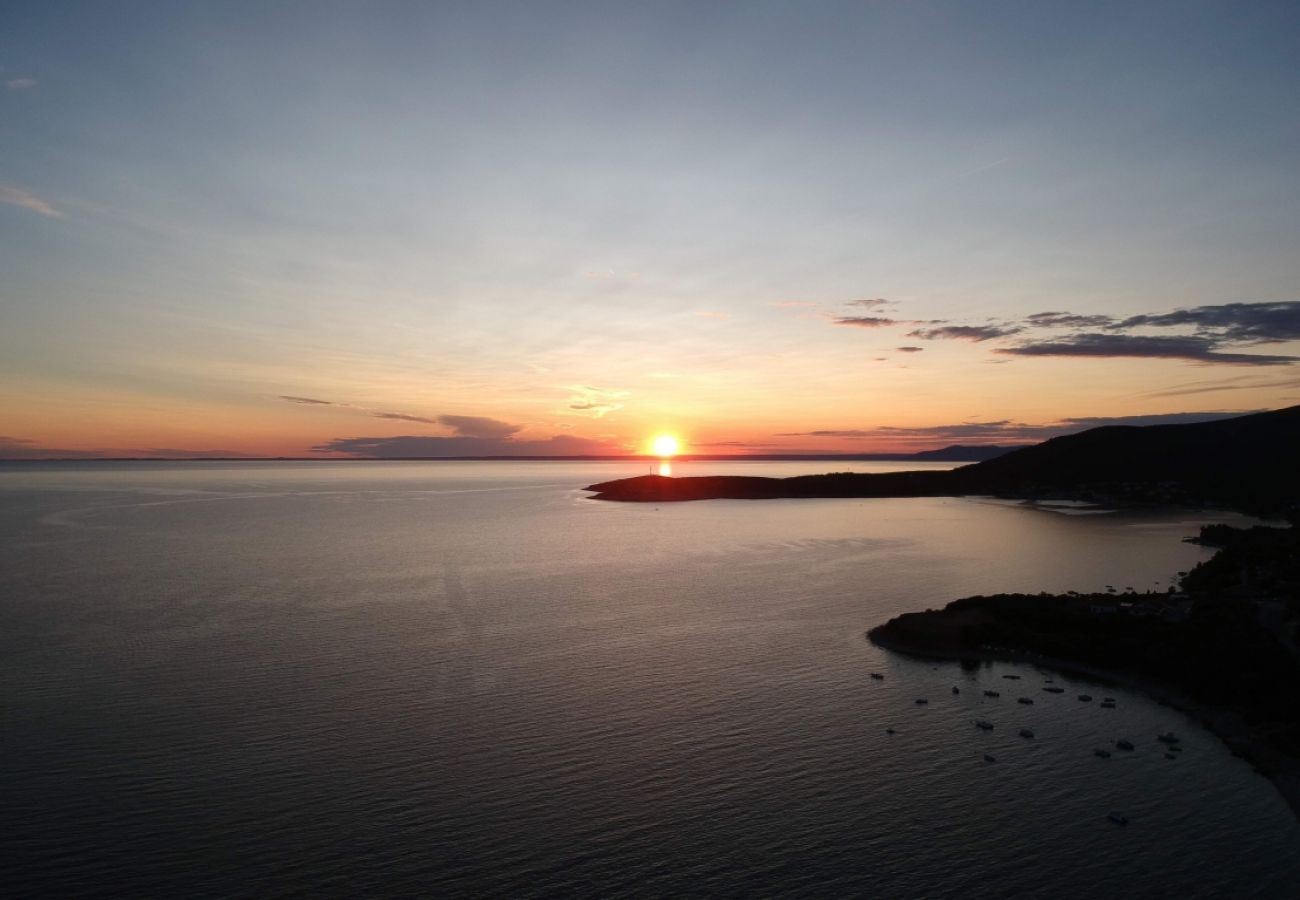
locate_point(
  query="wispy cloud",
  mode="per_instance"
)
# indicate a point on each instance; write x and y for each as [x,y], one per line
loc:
[479,427]
[871,302]
[1002,431]
[1101,345]
[865,321]
[16,197]
[909,349]
[407,446]
[594,402]
[731,445]
[1241,383]
[20,84]
[976,333]
[403,417]
[1068,320]
[461,426]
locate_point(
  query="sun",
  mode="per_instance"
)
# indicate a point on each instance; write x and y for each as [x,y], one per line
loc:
[665,445]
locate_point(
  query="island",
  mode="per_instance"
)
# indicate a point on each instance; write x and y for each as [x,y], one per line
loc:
[1223,647]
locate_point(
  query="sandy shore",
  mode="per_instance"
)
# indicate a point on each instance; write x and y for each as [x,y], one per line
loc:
[1225,723]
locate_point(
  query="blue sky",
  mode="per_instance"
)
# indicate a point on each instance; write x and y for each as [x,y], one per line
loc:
[504,210]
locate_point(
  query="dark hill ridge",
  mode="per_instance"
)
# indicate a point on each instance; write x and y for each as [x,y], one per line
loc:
[1249,462]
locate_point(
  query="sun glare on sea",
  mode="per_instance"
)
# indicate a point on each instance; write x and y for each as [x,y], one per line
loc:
[665,445]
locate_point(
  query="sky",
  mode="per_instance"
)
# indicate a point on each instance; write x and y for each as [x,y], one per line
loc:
[410,229]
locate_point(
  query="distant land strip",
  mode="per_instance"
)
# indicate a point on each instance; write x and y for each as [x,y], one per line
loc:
[1246,463]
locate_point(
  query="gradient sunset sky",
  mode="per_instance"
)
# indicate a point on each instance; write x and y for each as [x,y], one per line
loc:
[476,228]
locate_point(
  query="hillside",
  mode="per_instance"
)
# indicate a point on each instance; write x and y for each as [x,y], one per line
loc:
[1248,463]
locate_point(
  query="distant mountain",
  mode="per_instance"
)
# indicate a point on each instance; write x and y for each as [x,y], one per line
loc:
[964,453]
[1249,462]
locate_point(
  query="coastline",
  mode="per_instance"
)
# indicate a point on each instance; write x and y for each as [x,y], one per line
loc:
[1223,722]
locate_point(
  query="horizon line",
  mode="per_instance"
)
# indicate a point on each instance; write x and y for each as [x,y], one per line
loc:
[637,457]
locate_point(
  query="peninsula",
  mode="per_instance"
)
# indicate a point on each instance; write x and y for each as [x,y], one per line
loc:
[1224,647]
[1246,463]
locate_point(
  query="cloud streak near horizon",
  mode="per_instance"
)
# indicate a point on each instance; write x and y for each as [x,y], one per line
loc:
[412,446]
[1002,430]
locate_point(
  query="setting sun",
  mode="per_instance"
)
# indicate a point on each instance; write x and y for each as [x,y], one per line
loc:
[664,445]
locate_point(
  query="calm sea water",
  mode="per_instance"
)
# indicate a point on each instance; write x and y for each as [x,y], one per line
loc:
[409,678]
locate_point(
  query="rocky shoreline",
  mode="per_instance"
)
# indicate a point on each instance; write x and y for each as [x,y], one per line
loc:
[1228,724]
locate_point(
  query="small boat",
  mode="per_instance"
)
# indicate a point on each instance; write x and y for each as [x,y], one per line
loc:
[1086,698]
[1168,738]
[1107,699]
[992,694]
[1024,700]
[955,689]
[1107,705]
[1055,690]
[1026,733]
[984,723]
[1124,745]
[877,676]
[1118,819]
[1012,677]
[1104,754]
[921,701]
[989,758]
[890,731]
[1171,756]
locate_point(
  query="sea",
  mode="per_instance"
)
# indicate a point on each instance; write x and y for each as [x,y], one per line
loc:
[467,679]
